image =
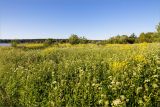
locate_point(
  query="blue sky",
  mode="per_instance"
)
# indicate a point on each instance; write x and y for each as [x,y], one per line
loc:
[94,19]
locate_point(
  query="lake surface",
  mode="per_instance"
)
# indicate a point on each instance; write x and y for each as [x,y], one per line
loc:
[5,44]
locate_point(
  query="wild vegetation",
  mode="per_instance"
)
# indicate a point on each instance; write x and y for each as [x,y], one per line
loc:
[83,75]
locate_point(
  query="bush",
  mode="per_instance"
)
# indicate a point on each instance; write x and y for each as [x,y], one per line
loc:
[83,40]
[74,39]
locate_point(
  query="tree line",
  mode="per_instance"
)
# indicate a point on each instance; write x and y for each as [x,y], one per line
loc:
[148,37]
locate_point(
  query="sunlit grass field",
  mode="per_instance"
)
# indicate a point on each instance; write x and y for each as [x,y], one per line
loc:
[88,75]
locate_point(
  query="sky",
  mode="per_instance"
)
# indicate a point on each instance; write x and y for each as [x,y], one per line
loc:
[94,19]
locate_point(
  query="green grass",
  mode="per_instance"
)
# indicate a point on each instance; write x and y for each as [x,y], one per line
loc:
[80,76]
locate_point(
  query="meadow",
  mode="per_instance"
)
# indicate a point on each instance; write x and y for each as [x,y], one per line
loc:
[89,75]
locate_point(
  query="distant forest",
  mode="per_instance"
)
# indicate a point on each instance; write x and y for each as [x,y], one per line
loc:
[148,37]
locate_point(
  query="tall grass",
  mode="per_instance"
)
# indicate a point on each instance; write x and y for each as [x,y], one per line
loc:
[81,76]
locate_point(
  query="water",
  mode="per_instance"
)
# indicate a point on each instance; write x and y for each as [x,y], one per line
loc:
[5,44]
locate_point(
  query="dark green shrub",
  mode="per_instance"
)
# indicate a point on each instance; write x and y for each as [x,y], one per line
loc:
[74,39]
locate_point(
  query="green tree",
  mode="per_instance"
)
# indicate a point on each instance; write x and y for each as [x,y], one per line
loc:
[74,39]
[157,33]
[83,40]
[158,28]
[147,37]
[118,39]
[132,38]
[123,39]
[141,38]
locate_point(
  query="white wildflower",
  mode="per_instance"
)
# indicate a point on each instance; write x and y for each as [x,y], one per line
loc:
[116,102]
[100,101]
[54,82]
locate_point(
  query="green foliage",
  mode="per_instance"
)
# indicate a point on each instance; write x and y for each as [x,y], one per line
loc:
[158,28]
[81,76]
[124,39]
[117,39]
[146,37]
[74,39]
[131,39]
[102,42]
[83,40]
[14,43]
